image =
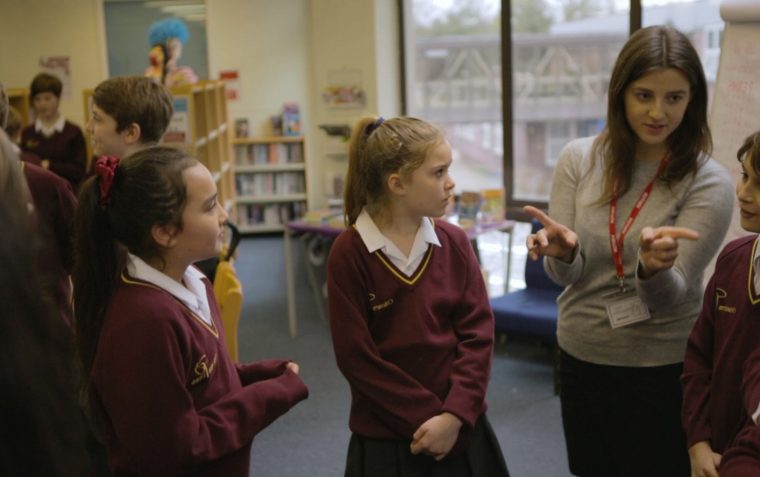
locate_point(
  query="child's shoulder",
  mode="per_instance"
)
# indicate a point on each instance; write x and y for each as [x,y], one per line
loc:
[452,233]
[71,127]
[737,247]
[144,299]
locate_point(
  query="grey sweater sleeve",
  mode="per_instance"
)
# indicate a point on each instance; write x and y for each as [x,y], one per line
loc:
[706,207]
[562,207]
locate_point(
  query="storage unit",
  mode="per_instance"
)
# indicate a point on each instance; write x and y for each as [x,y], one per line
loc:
[200,126]
[270,179]
[19,99]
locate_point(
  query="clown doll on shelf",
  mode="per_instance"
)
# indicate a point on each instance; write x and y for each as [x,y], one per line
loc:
[166,38]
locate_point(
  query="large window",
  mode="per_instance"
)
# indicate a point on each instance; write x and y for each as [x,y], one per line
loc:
[559,55]
[454,79]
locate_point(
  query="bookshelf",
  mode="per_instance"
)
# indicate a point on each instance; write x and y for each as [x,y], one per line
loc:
[270,180]
[19,99]
[200,127]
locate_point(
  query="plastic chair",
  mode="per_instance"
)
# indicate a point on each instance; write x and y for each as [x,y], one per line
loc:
[228,292]
[229,295]
[531,311]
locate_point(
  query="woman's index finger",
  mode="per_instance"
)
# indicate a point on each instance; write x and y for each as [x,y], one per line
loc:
[539,215]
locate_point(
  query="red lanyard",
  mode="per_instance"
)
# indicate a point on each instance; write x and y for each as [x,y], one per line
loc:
[616,244]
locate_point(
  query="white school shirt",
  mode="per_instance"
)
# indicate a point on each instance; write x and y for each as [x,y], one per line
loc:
[375,240]
[49,131]
[193,294]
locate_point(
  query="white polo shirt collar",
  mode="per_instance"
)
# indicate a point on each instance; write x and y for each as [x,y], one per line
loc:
[193,294]
[375,240]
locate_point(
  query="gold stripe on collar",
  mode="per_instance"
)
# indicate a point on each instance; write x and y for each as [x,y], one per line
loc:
[211,328]
[753,298]
[420,269]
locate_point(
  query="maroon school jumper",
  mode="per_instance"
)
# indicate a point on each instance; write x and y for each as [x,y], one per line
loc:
[65,150]
[54,205]
[169,397]
[410,348]
[726,332]
[742,457]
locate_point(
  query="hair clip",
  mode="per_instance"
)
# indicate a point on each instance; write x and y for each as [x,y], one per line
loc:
[105,168]
[371,127]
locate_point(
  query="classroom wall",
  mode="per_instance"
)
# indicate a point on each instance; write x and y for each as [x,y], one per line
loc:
[283,50]
[266,41]
[73,28]
[350,37]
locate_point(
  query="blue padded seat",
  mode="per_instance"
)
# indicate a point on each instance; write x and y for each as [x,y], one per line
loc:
[531,311]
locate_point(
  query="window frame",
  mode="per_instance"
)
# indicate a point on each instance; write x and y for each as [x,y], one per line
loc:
[514,208]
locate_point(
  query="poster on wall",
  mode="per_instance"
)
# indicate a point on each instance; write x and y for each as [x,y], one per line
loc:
[59,66]
[344,89]
[178,131]
[231,79]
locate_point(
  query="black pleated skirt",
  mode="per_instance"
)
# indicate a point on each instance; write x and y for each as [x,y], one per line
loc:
[368,457]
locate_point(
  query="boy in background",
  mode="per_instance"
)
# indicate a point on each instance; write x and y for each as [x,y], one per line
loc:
[725,335]
[129,113]
[13,127]
[53,204]
[58,143]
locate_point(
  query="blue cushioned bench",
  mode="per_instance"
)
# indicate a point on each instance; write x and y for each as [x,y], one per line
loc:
[532,311]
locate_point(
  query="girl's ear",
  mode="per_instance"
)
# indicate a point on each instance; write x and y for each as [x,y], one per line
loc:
[164,235]
[396,184]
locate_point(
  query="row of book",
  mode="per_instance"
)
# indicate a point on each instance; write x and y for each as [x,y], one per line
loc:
[270,183]
[268,154]
[270,214]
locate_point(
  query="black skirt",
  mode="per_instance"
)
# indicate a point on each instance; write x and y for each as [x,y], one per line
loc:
[368,457]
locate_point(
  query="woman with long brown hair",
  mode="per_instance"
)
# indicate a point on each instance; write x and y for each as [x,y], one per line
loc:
[635,216]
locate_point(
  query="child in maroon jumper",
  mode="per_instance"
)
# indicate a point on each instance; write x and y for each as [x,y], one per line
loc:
[53,202]
[160,383]
[410,318]
[724,336]
[56,141]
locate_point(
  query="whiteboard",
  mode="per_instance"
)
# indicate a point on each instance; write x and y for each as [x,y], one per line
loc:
[735,112]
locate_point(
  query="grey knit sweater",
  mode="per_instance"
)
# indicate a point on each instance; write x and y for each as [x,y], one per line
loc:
[702,202]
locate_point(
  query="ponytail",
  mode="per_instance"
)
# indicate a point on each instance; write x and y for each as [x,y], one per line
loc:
[378,149]
[97,263]
[355,197]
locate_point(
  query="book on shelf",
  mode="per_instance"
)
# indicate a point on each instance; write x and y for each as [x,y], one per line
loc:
[468,208]
[241,127]
[493,207]
[269,215]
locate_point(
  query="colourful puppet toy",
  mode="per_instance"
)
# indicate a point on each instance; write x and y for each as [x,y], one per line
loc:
[166,38]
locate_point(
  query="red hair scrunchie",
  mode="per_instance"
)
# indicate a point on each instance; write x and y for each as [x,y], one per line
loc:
[105,168]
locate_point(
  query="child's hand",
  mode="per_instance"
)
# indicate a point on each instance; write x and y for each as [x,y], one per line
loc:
[292,366]
[704,462]
[554,240]
[658,248]
[436,436]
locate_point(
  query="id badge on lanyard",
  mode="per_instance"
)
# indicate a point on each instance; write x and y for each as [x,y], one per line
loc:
[624,307]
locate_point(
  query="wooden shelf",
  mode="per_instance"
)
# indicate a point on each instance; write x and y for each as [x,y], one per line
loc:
[267,140]
[261,229]
[270,180]
[270,168]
